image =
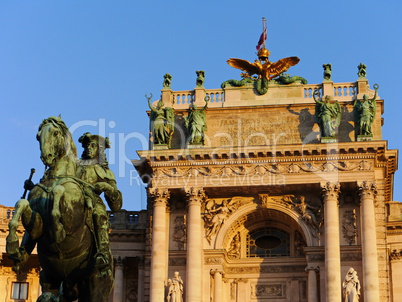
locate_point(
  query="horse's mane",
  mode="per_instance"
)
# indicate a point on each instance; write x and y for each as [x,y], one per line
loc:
[70,148]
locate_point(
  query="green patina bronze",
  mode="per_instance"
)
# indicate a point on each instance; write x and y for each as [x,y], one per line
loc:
[286,79]
[361,71]
[162,122]
[328,114]
[66,219]
[196,123]
[364,111]
[200,78]
[236,83]
[167,81]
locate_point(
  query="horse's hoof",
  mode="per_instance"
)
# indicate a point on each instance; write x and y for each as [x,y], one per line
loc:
[12,245]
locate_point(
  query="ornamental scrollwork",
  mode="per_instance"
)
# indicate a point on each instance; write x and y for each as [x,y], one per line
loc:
[262,169]
[395,255]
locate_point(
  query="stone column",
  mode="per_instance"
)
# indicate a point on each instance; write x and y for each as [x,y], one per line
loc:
[217,274]
[141,278]
[159,246]
[332,242]
[118,280]
[194,245]
[369,241]
[312,289]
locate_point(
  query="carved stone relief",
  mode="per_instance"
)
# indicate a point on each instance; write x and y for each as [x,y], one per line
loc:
[349,226]
[234,249]
[180,232]
[268,290]
[395,255]
[218,210]
[263,169]
[300,243]
[308,207]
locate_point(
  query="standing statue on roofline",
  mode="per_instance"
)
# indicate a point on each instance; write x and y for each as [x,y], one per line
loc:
[167,81]
[200,78]
[327,72]
[365,110]
[361,71]
[196,123]
[328,113]
[162,122]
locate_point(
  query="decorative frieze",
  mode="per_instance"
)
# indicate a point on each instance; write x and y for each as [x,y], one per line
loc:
[212,260]
[268,290]
[213,170]
[264,269]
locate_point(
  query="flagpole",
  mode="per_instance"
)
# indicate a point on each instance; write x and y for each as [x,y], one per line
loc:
[264,29]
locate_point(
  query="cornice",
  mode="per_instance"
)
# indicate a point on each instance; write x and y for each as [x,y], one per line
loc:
[279,153]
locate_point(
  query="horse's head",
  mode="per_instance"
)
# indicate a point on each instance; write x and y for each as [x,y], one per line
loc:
[55,141]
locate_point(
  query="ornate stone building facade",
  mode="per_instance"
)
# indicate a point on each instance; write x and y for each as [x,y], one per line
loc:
[267,208]
[248,201]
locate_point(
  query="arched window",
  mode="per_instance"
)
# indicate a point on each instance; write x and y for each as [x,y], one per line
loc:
[268,242]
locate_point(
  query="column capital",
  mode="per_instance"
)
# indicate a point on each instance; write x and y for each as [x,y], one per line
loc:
[216,271]
[312,268]
[160,196]
[330,189]
[367,188]
[119,262]
[195,195]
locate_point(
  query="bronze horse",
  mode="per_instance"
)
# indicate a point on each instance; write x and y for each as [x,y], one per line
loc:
[57,218]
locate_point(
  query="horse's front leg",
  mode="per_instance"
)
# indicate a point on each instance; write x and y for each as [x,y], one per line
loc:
[60,232]
[12,243]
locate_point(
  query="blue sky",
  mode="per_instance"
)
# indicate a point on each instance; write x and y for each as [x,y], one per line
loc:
[93,62]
